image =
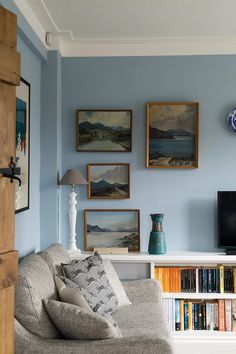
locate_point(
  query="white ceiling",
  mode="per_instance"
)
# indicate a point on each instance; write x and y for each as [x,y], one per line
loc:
[135,27]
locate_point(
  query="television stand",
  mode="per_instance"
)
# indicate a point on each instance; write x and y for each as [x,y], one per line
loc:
[230,251]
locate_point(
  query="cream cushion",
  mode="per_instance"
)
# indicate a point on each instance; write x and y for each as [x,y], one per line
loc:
[71,295]
[116,284]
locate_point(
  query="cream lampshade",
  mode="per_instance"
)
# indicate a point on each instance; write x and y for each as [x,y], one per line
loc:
[73,178]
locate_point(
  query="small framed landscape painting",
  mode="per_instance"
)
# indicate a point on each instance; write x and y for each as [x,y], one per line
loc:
[109,181]
[172,135]
[112,228]
[104,130]
[22,144]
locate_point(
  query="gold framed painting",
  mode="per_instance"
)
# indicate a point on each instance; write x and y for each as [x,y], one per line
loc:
[112,228]
[108,181]
[104,130]
[172,135]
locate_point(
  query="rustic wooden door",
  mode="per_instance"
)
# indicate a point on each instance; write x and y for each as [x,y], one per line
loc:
[9,78]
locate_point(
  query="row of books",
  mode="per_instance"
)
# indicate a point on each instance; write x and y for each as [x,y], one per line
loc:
[197,280]
[217,315]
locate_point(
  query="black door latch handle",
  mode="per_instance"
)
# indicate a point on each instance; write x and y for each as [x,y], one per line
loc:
[11,172]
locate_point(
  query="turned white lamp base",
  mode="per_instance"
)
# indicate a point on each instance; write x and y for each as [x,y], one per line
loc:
[72,178]
[72,222]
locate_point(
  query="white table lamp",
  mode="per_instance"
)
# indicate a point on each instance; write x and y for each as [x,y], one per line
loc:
[72,178]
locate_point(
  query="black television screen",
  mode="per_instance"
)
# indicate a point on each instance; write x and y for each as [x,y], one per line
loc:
[227,219]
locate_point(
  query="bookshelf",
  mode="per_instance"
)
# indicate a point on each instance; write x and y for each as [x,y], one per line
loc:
[199,296]
[194,341]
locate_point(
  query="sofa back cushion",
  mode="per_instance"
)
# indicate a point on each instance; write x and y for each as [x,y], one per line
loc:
[35,283]
[116,284]
[54,255]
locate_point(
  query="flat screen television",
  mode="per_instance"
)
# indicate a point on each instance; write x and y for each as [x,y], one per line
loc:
[227,221]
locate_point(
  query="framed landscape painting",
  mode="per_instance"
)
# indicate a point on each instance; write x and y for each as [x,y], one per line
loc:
[172,135]
[112,228]
[109,181]
[104,130]
[23,144]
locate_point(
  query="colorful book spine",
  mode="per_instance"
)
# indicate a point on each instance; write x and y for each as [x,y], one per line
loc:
[203,315]
[235,280]
[218,280]
[166,280]
[200,280]
[197,280]
[190,315]
[177,315]
[200,317]
[228,315]
[182,315]
[176,275]
[195,316]
[216,316]
[173,315]
[221,309]
[209,316]
[171,280]
[221,279]
[186,316]
[205,281]
[234,315]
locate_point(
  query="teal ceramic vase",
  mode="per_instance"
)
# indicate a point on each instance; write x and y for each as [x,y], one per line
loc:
[157,241]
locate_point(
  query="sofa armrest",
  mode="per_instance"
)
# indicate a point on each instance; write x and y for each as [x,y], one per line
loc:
[143,291]
[26,343]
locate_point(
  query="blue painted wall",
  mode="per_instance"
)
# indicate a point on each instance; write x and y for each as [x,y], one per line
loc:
[27,229]
[50,148]
[186,197]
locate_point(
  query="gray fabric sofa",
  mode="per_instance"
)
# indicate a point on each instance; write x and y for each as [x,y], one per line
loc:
[142,324]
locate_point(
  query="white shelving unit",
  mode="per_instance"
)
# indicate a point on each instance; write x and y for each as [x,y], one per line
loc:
[194,342]
[206,296]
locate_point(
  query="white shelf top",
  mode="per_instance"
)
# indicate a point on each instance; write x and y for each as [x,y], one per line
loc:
[203,335]
[171,258]
[203,296]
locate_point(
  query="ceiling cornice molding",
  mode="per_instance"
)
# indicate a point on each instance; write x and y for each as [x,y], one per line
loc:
[33,21]
[99,47]
[61,33]
[68,46]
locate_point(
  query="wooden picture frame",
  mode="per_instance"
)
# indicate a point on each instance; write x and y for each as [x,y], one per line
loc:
[23,145]
[104,130]
[172,134]
[112,228]
[110,181]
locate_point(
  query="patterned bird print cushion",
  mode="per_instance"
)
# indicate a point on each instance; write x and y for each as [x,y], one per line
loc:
[90,276]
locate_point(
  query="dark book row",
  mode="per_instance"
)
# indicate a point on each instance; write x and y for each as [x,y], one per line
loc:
[188,280]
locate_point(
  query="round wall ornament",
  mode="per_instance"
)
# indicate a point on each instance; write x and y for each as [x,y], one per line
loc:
[231,120]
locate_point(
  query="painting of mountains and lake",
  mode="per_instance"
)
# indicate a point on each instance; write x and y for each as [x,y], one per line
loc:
[104,130]
[112,228]
[172,135]
[108,181]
